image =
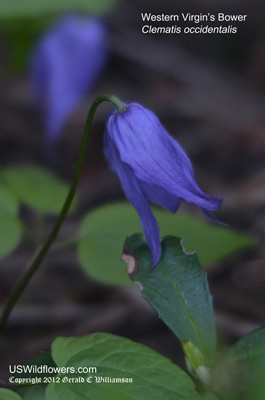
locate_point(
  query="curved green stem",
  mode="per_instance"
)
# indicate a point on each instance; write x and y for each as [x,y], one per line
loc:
[120,106]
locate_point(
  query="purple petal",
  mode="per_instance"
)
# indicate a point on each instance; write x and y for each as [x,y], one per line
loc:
[158,195]
[65,64]
[154,156]
[212,218]
[136,196]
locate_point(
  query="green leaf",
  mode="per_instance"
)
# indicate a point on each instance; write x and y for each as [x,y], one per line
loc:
[11,226]
[36,370]
[177,289]
[20,35]
[250,346]
[6,394]
[241,369]
[33,392]
[9,222]
[154,376]
[104,230]
[21,8]
[35,367]
[209,396]
[8,203]
[254,378]
[37,188]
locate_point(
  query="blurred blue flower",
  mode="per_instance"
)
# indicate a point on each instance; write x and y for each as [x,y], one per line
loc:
[152,167]
[65,64]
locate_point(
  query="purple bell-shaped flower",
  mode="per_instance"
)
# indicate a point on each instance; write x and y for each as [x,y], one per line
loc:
[152,167]
[65,64]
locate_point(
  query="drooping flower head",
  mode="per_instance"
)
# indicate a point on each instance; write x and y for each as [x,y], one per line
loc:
[65,64]
[152,167]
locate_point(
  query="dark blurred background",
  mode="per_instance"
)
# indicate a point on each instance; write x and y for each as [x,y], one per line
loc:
[208,91]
